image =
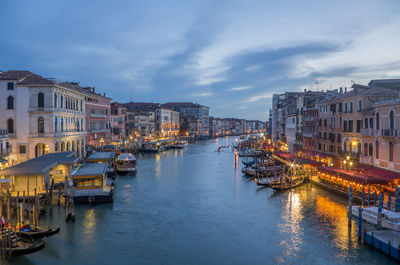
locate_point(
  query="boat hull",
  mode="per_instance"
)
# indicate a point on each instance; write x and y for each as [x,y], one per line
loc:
[96,199]
[20,251]
[39,234]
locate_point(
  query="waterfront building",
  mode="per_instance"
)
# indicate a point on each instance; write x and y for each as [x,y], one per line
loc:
[310,131]
[98,115]
[189,109]
[118,122]
[4,148]
[167,123]
[290,130]
[380,137]
[42,115]
[142,118]
[38,172]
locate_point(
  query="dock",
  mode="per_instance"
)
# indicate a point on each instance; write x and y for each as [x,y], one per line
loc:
[386,241]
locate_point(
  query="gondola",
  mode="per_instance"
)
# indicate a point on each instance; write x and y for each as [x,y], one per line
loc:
[277,185]
[29,231]
[20,246]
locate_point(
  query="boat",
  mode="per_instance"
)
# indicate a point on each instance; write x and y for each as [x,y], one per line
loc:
[390,219]
[30,231]
[90,184]
[19,246]
[219,149]
[126,162]
[179,144]
[152,147]
[242,137]
[284,185]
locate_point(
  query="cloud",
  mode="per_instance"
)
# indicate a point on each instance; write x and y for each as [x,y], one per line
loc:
[259,97]
[239,88]
[202,94]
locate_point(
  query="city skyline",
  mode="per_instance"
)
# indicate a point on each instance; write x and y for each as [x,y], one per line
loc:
[229,56]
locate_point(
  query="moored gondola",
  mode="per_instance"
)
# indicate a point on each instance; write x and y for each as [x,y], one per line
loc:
[37,232]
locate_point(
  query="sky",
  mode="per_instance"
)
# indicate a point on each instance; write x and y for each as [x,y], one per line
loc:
[229,55]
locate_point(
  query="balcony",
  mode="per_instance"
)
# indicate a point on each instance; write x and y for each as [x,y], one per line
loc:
[389,132]
[368,132]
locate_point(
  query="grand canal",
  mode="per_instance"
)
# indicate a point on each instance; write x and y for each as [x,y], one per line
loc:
[193,206]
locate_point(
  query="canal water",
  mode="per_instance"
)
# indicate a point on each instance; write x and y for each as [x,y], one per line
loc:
[192,206]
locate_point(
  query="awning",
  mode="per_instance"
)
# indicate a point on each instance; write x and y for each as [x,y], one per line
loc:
[354,176]
[387,175]
[3,160]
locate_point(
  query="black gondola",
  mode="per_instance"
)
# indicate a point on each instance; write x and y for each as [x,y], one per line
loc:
[37,232]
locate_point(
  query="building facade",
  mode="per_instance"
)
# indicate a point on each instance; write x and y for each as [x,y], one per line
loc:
[41,115]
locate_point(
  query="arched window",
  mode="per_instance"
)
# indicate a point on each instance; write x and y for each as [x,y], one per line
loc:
[371,123]
[61,102]
[370,153]
[377,150]
[40,100]
[55,100]
[62,124]
[56,124]
[10,125]
[366,123]
[10,102]
[365,149]
[390,151]
[377,121]
[391,120]
[40,125]
[56,147]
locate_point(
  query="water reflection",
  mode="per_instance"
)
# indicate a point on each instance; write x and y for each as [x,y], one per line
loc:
[291,224]
[89,223]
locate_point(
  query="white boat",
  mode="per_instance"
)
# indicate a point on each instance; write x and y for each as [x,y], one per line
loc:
[126,162]
[152,147]
[179,144]
[390,219]
[89,184]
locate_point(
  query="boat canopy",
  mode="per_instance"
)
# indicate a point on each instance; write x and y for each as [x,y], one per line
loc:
[126,156]
[90,169]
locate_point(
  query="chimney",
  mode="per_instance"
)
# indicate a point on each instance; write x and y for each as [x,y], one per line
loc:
[104,94]
[93,89]
[305,90]
[345,90]
[341,90]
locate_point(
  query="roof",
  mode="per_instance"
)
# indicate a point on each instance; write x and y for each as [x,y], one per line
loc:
[14,75]
[380,91]
[353,175]
[40,165]
[101,155]
[172,105]
[90,169]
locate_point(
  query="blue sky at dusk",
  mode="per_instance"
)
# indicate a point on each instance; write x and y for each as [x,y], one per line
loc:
[229,55]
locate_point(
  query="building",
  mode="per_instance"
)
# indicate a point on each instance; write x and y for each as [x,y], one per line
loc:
[118,122]
[189,109]
[290,131]
[310,128]
[146,113]
[98,115]
[42,115]
[380,136]
[167,123]
[4,148]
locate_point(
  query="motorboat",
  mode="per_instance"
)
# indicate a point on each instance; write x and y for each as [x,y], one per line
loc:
[126,162]
[390,219]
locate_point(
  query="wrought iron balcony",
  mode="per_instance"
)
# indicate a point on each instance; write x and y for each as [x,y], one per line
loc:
[389,132]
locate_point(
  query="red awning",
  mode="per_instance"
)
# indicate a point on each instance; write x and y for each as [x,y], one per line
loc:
[354,176]
[381,173]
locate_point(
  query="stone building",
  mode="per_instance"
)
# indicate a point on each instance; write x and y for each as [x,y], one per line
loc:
[41,115]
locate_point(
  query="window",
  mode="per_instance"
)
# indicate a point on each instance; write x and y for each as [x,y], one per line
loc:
[10,102]
[40,100]
[62,124]
[22,149]
[366,123]
[391,120]
[40,125]
[339,138]
[390,151]
[10,86]
[377,150]
[370,151]
[61,102]
[350,126]
[345,107]
[359,106]
[371,123]
[56,125]
[345,126]
[358,126]
[340,107]
[55,100]
[351,107]
[377,121]
[325,122]
[340,121]
[81,105]
[10,125]
[365,149]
